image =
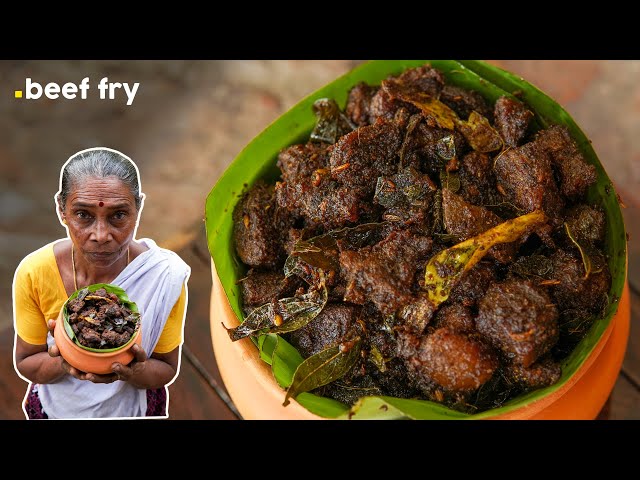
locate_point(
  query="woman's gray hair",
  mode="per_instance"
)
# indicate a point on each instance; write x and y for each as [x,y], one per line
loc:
[99,163]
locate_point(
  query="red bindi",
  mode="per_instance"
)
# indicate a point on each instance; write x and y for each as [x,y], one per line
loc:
[101,204]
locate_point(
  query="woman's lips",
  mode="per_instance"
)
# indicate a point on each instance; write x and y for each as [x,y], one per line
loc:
[101,254]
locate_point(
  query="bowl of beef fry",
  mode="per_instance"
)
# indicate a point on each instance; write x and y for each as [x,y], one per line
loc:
[421,240]
[97,326]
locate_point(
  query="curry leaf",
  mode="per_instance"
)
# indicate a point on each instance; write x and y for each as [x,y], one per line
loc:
[83,293]
[480,134]
[377,359]
[450,180]
[586,260]
[444,116]
[446,147]
[332,123]
[322,251]
[444,269]
[323,367]
[285,315]
[413,123]
[407,187]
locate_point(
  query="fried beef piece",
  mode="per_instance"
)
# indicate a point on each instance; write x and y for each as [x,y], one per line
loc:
[575,173]
[421,146]
[477,181]
[525,176]
[574,291]
[326,204]
[456,317]
[541,374]
[113,338]
[76,305]
[332,325]
[91,337]
[473,285]
[299,162]
[520,319]
[454,360]
[101,292]
[359,103]
[114,311]
[257,238]
[260,287]
[309,193]
[365,154]
[465,221]
[407,197]
[587,224]
[464,101]
[385,272]
[512,120]
[385,103]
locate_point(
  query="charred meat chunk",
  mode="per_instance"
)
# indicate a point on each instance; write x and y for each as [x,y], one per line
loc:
[456,317]
[473,285]
[260,287]
[575,173]
[407,197]
[91,337]
[454,360]
[299,162]
[326,204]
[385,103]
[587,224]
[541,374]
[477,181]
[423,144]
[115,338]
[520,319]
[573,290]
[332,325]
[359,103]
[464,101]
[366,154]
[384,273]
[525,176]
[512,120]
[465,221]
[257,239]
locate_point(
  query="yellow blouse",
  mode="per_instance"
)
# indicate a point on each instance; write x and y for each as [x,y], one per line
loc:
[38,295]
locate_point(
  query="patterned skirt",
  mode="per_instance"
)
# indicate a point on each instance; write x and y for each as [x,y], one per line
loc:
[156,403]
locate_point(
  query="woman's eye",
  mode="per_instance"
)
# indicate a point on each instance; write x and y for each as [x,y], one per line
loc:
[119,215]
[83,215]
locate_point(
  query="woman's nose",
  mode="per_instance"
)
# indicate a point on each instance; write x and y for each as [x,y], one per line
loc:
[101,232]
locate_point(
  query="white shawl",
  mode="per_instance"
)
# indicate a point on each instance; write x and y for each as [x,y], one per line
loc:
[153,280]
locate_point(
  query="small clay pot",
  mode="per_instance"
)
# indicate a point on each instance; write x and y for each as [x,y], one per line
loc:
[257,396]
[91,362]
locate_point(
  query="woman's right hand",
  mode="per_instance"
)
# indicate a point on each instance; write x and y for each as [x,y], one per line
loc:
[54,351]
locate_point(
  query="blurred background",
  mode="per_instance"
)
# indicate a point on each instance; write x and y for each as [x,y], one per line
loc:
[188,121]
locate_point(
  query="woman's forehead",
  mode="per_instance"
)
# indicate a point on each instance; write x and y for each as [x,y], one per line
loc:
[108,190]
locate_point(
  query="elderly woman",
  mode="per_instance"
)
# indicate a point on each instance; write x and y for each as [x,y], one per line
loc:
[99,202]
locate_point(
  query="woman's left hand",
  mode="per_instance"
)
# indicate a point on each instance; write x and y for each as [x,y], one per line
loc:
[137,366]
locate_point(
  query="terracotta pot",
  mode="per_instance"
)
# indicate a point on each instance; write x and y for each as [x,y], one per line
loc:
[91,362]
[256,394]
